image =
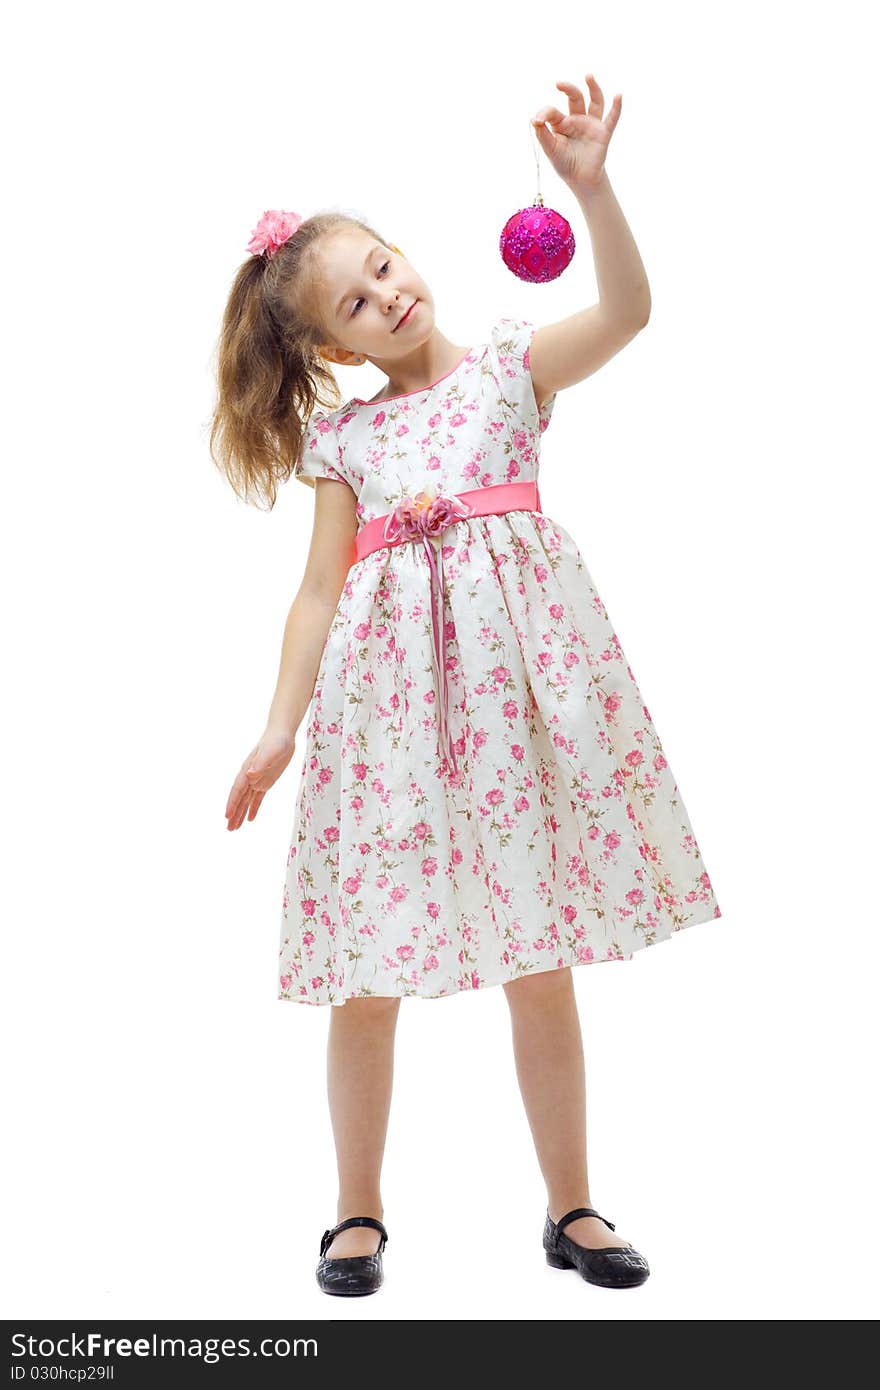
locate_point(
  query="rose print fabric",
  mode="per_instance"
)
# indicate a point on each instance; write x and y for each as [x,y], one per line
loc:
[563,839]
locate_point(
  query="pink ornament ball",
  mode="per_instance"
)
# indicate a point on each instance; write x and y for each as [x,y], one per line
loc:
[537,243]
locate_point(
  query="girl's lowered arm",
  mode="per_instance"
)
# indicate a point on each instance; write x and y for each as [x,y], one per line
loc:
[330,557]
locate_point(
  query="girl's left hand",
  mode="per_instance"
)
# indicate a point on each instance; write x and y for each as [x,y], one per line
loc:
[577,144]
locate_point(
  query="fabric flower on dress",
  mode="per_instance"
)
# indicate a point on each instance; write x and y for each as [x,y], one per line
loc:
[424,514]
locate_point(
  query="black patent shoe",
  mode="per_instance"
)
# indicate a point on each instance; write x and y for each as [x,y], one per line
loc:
[612,1266]
[351,1274]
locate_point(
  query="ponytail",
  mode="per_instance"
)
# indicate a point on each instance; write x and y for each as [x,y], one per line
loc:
[270,372]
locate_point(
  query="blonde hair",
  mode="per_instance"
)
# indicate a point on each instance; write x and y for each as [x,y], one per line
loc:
[270,374]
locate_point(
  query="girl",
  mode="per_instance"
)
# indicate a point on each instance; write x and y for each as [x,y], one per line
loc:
[484,798]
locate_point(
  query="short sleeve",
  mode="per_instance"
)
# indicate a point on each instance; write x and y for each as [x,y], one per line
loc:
[511,339]
[320,455]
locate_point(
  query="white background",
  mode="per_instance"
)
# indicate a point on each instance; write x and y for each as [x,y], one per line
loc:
[169,1151]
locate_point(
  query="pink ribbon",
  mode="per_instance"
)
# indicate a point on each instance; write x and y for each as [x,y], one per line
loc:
[423,518]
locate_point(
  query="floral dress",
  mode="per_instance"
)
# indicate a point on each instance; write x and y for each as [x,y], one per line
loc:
[562,838]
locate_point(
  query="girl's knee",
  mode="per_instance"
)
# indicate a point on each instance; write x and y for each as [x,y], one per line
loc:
[531,987]
[371,1006]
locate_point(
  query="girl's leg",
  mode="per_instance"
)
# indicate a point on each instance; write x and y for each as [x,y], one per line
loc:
[550,1068]
[360,1066]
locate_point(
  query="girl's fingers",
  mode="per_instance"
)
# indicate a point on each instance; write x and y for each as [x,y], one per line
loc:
[597,100]
[241,785]
[549,114]
[240,813]
[576,104]
[233,809]
[575,96]
[257,774]
[240,789]
[614,113]
[239,800]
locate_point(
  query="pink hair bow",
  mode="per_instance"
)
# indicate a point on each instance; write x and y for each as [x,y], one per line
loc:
[272,230]
[424,517]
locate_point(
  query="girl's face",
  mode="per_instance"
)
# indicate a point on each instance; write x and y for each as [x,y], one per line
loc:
[367,290]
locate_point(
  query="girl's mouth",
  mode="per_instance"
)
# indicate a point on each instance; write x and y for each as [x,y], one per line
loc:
[406,315]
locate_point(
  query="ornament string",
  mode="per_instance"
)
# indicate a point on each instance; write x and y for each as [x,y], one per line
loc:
[535,150]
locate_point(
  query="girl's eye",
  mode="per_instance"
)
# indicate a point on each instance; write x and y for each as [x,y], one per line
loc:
[383,266]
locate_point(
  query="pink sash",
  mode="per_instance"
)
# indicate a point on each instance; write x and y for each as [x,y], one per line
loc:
[424,517]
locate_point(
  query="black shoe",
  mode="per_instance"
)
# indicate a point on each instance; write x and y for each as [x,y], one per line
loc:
[613,1267]
[351,1274]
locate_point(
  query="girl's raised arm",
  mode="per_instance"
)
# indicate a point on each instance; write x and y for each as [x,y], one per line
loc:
[566,352]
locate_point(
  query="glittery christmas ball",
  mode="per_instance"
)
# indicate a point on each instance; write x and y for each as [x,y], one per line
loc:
[537,243]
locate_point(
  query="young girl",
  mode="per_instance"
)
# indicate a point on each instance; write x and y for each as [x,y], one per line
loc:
[484,797]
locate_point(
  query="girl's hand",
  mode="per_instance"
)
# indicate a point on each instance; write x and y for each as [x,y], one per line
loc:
[263,766]
[577,144]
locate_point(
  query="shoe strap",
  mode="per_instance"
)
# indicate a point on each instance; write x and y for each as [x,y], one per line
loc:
[580,1211]
[329,1236]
